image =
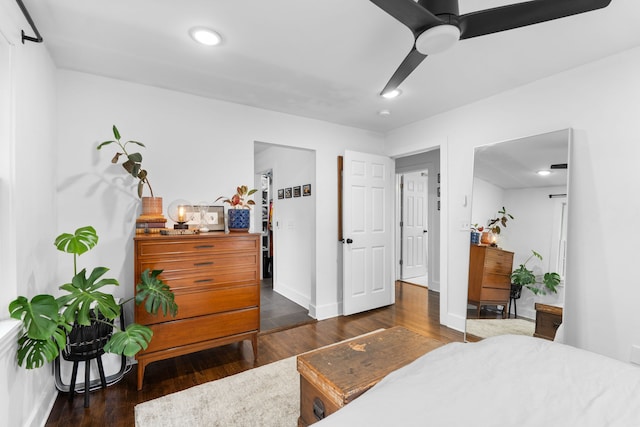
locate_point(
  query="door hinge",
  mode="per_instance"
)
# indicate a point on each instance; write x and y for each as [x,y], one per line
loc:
[401,224]
[400,262]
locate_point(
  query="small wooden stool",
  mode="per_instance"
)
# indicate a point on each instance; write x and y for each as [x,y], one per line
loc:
[335,375]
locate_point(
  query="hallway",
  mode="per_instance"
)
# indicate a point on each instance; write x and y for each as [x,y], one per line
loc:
[277,312]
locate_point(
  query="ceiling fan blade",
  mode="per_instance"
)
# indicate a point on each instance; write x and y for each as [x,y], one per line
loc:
[412,60]
[522,14]
[410,13]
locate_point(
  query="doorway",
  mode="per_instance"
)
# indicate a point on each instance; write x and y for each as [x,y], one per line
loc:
[413,227]
[418,213]
[287,227]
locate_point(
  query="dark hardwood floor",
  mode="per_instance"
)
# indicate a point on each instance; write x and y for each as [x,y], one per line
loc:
[416,308]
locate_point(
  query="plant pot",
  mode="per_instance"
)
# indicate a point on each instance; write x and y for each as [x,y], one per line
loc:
[487,238]
[86,342]
[152,206]
[475,238]
[239,219]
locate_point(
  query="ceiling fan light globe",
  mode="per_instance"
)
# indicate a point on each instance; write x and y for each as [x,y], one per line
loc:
[437,39]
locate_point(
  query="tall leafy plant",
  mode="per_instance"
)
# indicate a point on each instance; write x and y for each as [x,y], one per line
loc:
[47,320]
[523,276]
[133,162]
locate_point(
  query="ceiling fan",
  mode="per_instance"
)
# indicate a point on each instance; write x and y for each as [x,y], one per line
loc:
[437,24]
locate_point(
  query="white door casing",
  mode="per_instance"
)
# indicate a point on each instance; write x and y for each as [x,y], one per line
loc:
[414,225]
[368,232]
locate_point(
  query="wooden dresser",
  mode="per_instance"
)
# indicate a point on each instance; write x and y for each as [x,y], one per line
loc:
[548,319]
[489,277]
[216,281]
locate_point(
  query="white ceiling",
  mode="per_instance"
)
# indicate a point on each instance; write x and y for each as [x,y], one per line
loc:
[323,59]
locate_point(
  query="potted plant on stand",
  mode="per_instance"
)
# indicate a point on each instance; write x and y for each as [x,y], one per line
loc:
[151,206]
[523,277]
[80,323]
[240,212]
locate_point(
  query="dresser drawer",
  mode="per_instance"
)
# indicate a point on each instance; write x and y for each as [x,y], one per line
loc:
[500,281]
[209,262]
[192,304]
[497,261]
[198,329]
[188,247]
[189,281]
[492,294]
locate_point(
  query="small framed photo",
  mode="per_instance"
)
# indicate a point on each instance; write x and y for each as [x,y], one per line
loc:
[297,191]
[306,190]
[438,177]
[287,193]
[438,204]
[281,193]
[438,191]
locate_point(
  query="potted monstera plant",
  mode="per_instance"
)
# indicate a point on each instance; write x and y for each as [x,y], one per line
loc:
[538,284]
[240,211]
[49,322]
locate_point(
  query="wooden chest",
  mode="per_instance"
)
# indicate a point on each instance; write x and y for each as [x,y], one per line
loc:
[489,277]
[335,375]
[216,281]
[548,319]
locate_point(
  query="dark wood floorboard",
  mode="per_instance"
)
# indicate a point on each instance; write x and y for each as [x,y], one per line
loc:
[416,308]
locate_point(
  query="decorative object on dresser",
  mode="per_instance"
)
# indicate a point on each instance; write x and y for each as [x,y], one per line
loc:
[180,211]
[151,217]
[489,277]
[80,323]
[548,320]
[239,213]
[216,281]
[334,376]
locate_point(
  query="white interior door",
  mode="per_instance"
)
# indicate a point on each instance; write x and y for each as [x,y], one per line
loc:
[368,232]
[414,225]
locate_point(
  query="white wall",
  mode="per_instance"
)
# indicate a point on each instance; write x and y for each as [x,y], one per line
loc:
[29,220]
[196,149]
[600,102]
[486,200]
[294,223]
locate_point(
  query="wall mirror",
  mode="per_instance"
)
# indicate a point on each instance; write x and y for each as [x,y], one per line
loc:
[528,178]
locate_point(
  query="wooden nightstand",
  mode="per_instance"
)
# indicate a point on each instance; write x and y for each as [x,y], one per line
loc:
[548,319]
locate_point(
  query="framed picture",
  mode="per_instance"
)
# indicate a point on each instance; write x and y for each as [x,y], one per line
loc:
[287,193]
[438,191]
[438,177]
[297,191]
[438,204]
[213,215]
[281,193]
[306,190]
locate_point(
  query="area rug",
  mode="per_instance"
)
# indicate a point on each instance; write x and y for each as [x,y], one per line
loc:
[264,396]
[485,328]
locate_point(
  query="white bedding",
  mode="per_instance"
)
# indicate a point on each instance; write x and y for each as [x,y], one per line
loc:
[503,381]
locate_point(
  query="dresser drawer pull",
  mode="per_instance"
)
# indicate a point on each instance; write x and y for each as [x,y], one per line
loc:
[200,264]
[204,280]
[205,246]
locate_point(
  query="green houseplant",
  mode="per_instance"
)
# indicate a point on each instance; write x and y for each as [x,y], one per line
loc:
[47,321]
[500,220]
[524,277]
[239,214]
[133,162]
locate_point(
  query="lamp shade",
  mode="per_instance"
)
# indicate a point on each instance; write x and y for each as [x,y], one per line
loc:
[180,211]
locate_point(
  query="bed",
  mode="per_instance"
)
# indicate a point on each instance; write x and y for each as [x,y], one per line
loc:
[508,380]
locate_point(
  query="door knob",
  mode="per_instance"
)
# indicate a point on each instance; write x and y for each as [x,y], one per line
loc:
[348,241]
[424,231]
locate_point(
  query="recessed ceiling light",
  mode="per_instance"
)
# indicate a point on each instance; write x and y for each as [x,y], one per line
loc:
[205,36]
[544,172]
[391,94]
[384,113]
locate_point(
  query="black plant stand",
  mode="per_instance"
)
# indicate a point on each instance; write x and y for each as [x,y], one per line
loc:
[516,292]
[85,343]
